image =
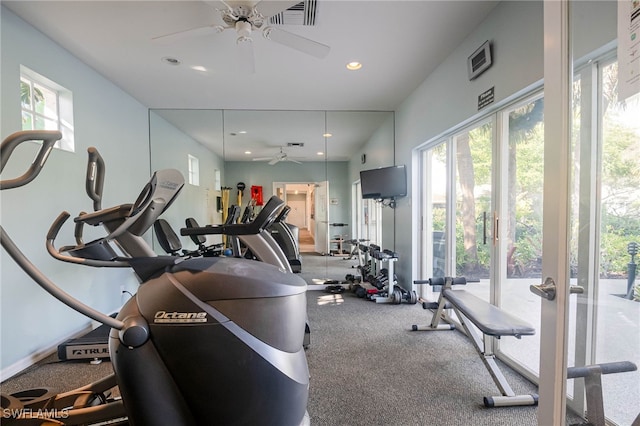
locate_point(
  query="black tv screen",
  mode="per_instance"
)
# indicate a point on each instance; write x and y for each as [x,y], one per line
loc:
[384,183]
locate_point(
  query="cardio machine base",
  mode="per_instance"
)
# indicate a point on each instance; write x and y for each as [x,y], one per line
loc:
[91,346]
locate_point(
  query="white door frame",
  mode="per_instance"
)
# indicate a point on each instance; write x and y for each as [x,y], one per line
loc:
[557,132]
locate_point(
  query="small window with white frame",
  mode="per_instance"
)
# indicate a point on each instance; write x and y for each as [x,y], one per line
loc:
[218,184]
[194,170]
[46,105]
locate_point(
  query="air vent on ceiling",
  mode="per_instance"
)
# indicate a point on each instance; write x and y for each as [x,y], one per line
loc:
[295,144]
[303,13]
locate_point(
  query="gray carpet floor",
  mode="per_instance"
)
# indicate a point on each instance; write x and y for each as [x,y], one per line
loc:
[366,367]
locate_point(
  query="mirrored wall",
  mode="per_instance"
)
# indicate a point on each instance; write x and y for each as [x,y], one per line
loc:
[293,154]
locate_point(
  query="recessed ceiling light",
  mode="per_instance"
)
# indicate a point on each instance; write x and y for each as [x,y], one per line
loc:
[199,68]
[352,66]
[242,132]
[171,61]
[247,152]
[327,135]
[320,153]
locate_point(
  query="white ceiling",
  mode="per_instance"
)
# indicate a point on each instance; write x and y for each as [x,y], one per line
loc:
[398,42]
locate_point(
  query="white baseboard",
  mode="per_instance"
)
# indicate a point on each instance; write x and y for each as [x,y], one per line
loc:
[42,353]
[38,356]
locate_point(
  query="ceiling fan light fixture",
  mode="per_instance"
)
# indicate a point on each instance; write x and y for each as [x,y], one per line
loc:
[243,28]
[354,66]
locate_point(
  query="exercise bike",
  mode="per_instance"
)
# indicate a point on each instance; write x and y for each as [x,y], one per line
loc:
[192,347]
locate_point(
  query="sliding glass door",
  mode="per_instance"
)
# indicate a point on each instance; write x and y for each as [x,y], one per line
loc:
[457,219]
[474,217]
[604,320]
[482,217]
[520,228]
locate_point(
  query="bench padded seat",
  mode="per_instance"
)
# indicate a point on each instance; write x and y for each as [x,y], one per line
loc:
[488,318]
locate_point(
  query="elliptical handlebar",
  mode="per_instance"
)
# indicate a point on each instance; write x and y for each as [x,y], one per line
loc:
[95,177]
[56,253]
[48,138]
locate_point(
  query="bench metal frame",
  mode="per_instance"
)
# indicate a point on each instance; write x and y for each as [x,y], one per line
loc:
[442,320]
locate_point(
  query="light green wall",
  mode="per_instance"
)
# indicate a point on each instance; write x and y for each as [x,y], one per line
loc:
[105,117]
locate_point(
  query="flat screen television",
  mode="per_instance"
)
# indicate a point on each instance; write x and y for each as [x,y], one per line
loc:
[384,183]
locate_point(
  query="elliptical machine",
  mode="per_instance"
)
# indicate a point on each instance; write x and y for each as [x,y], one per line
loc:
[192,346]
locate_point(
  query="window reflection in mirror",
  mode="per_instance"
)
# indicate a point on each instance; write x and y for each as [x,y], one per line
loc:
[191,142]
[311,159]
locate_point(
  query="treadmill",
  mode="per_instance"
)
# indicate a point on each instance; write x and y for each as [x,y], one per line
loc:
[286,235]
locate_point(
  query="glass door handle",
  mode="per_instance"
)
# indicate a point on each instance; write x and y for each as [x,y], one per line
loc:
[547,290]
[576,289]
[484,228]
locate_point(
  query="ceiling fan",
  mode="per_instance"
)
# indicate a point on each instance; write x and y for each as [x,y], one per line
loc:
[280,156]
[245,17]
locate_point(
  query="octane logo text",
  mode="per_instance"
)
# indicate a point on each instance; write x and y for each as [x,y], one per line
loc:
[179,317]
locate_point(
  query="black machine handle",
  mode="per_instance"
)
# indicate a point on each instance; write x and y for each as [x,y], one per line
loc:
[95,177]
[442,280]
[48,138]
[283,214]
[51,237]
[49,286]
[484,228]
[265,218]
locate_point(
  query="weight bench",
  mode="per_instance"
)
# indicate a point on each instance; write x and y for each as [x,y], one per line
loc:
[492,322]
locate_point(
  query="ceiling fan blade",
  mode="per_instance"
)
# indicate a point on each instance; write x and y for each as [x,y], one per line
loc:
[246,61]
[262,159]
[268,8]
[294,161]
[296,42]
[192,32]
[274,161]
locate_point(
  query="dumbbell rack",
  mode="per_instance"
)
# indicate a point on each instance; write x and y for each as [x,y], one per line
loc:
[379,284]
[393,294]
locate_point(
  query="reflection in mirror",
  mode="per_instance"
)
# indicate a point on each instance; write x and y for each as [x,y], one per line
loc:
[366,139]
[192,142]
[310,159]
[282,153]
